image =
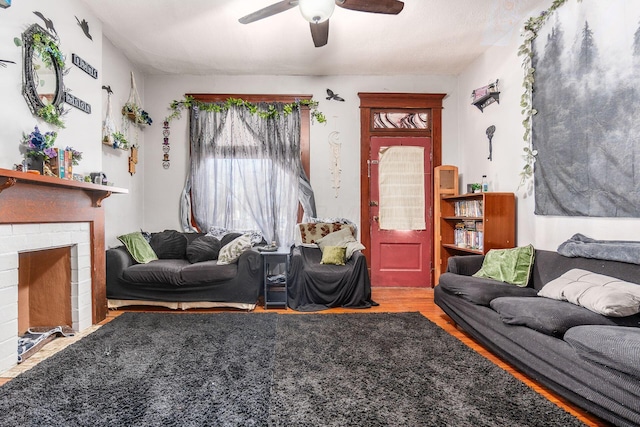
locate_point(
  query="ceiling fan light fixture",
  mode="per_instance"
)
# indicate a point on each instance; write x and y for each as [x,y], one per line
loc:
[316,11]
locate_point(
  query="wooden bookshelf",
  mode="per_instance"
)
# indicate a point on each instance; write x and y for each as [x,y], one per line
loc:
[445,183]
[493,217]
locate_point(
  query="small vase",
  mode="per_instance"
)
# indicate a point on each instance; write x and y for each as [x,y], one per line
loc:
[36,163]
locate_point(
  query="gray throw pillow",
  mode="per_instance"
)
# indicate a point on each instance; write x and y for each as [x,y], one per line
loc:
[169,244]
[481,291]
[205,248]
[612,346]
[549,316]
[228,238]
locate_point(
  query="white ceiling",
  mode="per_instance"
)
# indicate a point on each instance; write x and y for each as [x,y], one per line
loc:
[204,37]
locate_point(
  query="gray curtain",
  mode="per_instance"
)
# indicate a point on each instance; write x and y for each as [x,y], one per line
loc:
[245,172]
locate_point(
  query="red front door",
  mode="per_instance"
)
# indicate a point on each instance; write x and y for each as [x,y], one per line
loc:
[400,257]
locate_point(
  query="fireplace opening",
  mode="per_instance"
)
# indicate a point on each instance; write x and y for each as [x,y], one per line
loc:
[44,298]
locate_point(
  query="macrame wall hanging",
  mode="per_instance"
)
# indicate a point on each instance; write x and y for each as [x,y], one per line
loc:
[129,111]
[108,126]
[335,167]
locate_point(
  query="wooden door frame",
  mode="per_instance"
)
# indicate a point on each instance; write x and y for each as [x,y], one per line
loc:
[370,102]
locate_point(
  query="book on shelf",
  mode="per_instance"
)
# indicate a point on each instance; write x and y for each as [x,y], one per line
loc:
[62,164]
[57,163]
[468,208]
[68,164]
[469,235]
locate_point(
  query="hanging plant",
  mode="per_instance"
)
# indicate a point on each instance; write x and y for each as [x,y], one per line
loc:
[136,114]
[188,102]
[530,32]
[119,141]
[132,109]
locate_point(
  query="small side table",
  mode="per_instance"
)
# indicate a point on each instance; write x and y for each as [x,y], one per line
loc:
[275,268]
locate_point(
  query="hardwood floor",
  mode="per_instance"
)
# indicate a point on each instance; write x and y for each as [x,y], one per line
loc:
[391,300]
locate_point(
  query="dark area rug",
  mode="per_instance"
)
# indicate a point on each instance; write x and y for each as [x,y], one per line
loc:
[239,369]
[152,369]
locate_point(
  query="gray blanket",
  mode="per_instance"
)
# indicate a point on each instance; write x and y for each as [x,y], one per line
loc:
[613,250]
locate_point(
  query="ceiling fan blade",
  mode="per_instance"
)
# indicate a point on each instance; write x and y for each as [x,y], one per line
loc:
[268,11]
[320,33]
[390,7]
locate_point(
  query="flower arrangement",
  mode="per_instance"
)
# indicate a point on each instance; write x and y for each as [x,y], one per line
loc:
[40,145]
[51,115]
[76,155]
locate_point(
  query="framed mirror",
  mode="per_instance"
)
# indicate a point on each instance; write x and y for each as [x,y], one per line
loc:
[42,80]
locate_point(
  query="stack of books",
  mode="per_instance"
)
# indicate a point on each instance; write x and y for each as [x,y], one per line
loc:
[469,234]
[62,164]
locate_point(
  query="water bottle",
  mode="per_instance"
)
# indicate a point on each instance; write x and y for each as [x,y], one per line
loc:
[485,184]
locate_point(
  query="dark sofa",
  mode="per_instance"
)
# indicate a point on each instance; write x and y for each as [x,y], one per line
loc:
[174,282]
[590,359]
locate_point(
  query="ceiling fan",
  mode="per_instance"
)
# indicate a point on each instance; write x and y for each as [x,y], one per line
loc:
[318,12]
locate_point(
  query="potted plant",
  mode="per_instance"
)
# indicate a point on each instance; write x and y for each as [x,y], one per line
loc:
[136,114]
[476,187]
[119,140]
[38,147]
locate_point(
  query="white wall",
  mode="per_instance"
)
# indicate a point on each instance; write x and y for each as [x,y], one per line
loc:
[123,212]
[82,131]
[163,186]
[153,200]
[544,232]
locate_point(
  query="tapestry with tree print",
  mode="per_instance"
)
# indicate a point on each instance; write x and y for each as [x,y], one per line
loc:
[587,94]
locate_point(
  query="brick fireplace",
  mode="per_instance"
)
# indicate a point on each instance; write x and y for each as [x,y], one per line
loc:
[40,213]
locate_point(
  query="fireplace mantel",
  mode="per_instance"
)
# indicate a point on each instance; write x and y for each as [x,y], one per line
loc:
[27,198]
[9,178]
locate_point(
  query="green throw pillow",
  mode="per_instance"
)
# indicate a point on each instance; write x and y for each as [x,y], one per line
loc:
[138,247]
[508,265]
[333,255]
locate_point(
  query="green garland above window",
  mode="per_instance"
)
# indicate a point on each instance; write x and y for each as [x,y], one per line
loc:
[531,29]
[188,102]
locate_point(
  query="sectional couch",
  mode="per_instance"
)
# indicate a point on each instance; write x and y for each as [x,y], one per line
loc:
[591,359]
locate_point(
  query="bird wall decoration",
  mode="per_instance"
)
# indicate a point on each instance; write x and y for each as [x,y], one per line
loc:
[85,27]
[333,95]
[47,22]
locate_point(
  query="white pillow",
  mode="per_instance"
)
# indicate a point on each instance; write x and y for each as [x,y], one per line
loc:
[230,252]
[343,238]
[599,293]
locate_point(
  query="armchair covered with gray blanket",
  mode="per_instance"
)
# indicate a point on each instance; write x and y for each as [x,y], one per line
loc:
[314,285]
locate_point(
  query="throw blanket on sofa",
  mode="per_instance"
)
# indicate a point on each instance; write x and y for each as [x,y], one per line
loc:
[613,250]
